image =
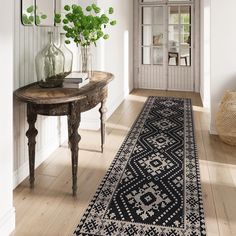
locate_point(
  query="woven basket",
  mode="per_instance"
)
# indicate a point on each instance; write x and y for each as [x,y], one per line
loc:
[226,118]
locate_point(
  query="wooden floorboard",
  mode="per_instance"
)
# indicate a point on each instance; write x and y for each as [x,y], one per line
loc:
[50,209]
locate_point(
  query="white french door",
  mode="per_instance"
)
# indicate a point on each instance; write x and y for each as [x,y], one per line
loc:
[166,45]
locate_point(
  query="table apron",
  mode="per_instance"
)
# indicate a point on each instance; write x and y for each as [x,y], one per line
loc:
[62,109]
[93,99]
[52,109]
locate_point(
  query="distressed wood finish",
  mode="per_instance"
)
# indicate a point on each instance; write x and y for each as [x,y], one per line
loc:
[60,102]
[31,135]
[93,99]
[74,138]
[103,111]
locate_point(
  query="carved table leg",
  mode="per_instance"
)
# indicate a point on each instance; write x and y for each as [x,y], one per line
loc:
[74,138]
[31,135]
[103,111]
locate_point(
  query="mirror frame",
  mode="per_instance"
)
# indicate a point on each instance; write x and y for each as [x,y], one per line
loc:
[21,14]
[34,23]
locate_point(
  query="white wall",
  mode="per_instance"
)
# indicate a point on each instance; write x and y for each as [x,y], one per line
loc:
[223,49]
[7,212]
[205,51]
[114,55]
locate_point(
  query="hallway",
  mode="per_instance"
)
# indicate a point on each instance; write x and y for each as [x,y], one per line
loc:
[50,209]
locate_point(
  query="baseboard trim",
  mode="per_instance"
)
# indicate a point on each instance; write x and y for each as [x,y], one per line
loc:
[169,89]
[213,130]
[7,222]
[119,99]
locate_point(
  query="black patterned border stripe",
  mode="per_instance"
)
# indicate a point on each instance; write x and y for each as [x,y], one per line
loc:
[199,188]
[153,185]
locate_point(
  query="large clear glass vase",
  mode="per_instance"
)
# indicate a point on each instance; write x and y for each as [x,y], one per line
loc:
[86,60]
[67,54]
[50,65]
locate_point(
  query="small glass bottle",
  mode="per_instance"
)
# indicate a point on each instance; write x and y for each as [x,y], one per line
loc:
[50,65]
[67,54]
[86,60]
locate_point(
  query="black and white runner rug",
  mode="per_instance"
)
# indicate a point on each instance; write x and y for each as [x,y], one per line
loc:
[153,185]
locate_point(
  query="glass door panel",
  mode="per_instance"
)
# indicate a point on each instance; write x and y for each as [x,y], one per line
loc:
[185,56]
[174,35]
[173,13]
[158,55]
[147,15]
[152,35]
[146,55]
[185,15]
[151,1]
[158,17]
[158,35]
[179,35]
[185,34]
[147,35]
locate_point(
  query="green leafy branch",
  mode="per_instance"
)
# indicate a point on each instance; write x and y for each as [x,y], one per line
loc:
[28,17]
[87,26]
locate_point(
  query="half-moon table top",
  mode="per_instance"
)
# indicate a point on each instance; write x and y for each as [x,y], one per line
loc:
[33,93]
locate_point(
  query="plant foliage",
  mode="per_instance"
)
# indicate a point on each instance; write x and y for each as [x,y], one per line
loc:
[29,18]
[85,27]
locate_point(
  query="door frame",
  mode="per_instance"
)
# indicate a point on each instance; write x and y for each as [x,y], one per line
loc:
[195,42]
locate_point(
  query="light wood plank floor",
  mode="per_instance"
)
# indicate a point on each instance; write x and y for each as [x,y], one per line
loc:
[50,209]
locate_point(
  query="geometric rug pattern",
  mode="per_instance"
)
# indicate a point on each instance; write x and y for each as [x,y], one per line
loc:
[153,186]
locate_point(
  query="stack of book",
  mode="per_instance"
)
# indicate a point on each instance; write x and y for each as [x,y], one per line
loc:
[76,80]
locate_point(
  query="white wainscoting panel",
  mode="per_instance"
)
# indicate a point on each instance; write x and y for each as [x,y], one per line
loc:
[151,77]
[180,78]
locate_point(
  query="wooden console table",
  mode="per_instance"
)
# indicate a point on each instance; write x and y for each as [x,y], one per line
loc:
[60,102]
